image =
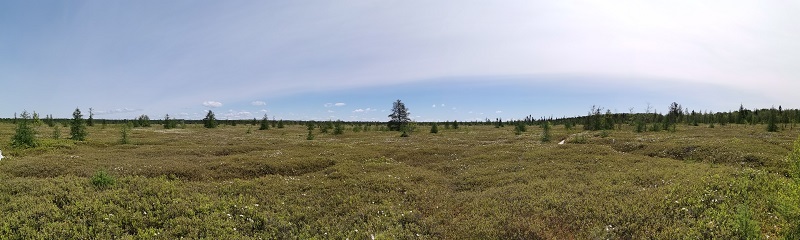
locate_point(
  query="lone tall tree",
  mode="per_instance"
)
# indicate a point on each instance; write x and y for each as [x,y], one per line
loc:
[77,129]
[399,118]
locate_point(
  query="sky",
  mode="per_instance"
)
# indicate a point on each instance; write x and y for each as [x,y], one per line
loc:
[446,60]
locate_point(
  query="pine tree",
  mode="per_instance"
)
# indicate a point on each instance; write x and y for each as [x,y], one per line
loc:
[455,124]
[280,123]
[25,135]
[399,117]
[77,129]
[434,128]
[210,121]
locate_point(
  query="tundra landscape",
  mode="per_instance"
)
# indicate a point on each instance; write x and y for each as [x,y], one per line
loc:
[469,180]
[254,119]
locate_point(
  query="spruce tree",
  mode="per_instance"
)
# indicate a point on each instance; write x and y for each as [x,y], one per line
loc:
[123,132]
[264,123]
[399,117]
[280,123]
[434,128]
[210,121]
[77,129]
[90,121]
[338,129]
[25,135]
[546,132]
[169,123]
[771,125]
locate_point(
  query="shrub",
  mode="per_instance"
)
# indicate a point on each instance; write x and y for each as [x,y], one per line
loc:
[56,132]
[434,128]
[310,135]
[102,180]
[280,123]
[520,128]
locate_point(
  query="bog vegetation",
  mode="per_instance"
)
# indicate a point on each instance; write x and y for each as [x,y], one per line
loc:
[684,174]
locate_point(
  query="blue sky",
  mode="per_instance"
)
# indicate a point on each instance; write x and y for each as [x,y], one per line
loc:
[350,60]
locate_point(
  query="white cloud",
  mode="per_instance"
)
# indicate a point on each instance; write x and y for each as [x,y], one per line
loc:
[358,110]
[113,111]
[258,103]
[434,105]
[231,114]
[498,111]
[213,104]
[339,104]
[330,111]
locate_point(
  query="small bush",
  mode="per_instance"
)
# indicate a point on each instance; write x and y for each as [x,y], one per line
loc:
[103,180]
[434,128]
[310,135]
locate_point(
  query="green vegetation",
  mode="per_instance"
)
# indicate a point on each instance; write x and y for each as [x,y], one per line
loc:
[77,128]
[25,135]
[210,121]
[264,123]
[123,134]
[546,135]
[735,181]
[102,180]
[399,119]
[170,123]
[434,128]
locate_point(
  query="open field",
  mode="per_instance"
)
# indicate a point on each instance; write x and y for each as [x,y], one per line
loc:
[475,182]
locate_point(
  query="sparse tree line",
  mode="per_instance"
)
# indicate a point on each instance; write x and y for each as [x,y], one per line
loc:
[597,119]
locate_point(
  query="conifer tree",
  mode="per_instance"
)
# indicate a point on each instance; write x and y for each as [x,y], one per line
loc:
[25,135]
[338,129]
[280,123]
[169,123]
[771,125]
[210,121]
[264,123]
[77,129]
[455,124]
[399,117]
[434,128]
[546,132]
[90,121]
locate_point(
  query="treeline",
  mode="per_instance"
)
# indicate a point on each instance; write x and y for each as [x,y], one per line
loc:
[597,118]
